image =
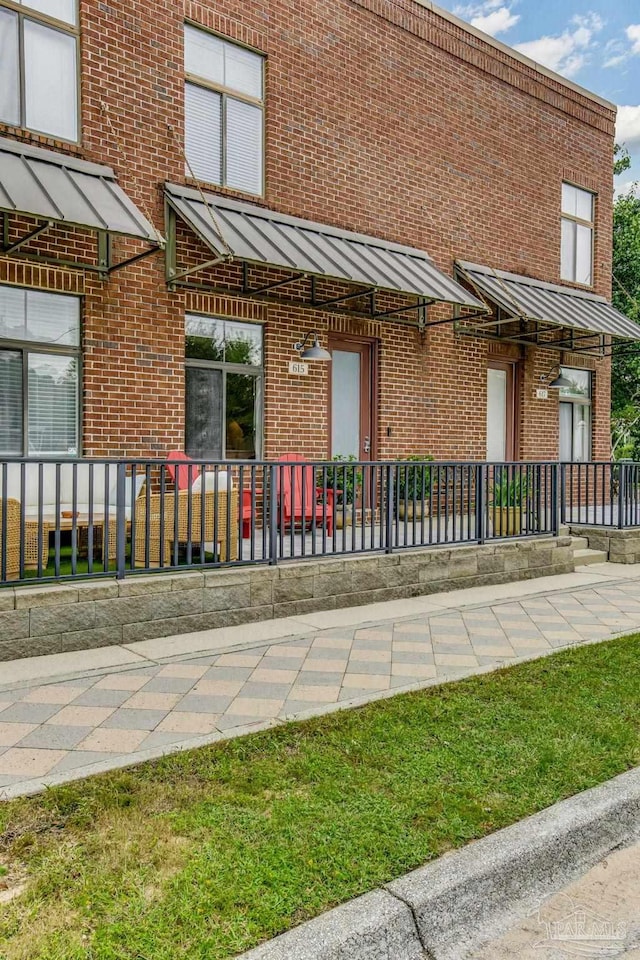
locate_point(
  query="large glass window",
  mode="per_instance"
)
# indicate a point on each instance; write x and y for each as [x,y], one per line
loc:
[575,416]
[576,247]
[39,373]
[223,389]
[38,67]
[224,111]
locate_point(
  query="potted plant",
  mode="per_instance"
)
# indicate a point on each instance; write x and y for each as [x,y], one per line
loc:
[348,485]
[509,493]
[413,486]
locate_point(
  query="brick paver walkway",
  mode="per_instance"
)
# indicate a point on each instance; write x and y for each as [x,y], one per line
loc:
[86,722]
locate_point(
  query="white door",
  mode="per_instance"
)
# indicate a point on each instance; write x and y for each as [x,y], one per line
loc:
[352,405]
[496,414]
[345,404]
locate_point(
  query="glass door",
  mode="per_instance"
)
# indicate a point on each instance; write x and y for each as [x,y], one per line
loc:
[500,412]
[352,406]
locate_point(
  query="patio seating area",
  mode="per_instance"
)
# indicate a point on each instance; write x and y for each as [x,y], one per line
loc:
[61,519]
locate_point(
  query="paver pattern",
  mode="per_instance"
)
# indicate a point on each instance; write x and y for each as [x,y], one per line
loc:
[69,726]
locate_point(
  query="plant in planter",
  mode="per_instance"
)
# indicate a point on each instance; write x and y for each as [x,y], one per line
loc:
[348,487]
[413,484]
[509,493]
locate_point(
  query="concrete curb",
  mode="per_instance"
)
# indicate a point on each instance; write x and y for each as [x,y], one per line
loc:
[376,926]
[451,907]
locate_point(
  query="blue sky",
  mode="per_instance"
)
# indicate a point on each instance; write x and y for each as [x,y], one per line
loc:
[595,43]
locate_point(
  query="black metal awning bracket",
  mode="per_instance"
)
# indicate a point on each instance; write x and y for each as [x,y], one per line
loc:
[258,291]
[379,314]
[323,304]
[138,256]
[9,248]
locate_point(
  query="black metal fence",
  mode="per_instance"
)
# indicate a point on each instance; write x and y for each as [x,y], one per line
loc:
[75,519]
[600,493]
[84,518]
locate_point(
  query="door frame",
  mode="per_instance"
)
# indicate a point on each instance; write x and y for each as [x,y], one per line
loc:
[368,385]
[512,438]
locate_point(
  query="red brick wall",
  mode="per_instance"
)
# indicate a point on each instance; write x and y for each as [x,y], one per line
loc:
[382,118]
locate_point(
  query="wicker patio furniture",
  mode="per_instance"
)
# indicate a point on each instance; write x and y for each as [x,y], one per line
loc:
[10,537]
[37,532]
[220,526]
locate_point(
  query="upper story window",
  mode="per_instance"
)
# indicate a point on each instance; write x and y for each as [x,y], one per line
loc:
[39,373]
[224,111]
[39,66]
[576,256]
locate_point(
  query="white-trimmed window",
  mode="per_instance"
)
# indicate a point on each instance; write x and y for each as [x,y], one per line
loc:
[576,247]
[223,388]
[575,416]
[224,111]
[39,66]
[39,373]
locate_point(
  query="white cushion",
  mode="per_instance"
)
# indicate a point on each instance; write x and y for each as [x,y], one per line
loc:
[224,481]
[82,474]
[113,490]
[32,484]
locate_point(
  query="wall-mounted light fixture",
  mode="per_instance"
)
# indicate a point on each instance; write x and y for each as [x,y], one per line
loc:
[315,351]
[558,382]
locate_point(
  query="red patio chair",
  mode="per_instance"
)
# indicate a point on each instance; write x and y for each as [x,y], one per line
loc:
[181,476]
[290,484]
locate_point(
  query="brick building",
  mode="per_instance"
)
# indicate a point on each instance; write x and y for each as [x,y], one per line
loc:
[188,189]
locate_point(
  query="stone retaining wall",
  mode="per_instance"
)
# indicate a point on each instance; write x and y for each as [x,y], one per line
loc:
[78,616]
[623,546]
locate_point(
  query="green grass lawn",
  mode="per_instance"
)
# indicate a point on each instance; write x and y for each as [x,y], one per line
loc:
[205,854]
[82,565]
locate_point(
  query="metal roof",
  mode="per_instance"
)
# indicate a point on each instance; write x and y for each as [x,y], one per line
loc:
[549,302]
[246,232]
[66,190]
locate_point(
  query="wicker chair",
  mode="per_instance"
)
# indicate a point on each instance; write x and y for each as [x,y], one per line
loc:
[225,526]
[10,537]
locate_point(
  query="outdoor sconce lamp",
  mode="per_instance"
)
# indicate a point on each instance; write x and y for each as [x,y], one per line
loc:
[558,381]
[315,351]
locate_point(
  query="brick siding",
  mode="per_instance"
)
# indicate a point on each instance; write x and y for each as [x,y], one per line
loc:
[382,118]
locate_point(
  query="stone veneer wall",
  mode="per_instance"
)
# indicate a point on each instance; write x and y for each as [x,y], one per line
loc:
[78,616]
[623,546]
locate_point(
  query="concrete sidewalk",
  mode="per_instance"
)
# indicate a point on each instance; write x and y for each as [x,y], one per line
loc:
[597,916]
[66,716]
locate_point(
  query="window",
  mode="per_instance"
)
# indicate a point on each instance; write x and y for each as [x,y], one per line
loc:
[38,67]
[39,373]
[575,416]
[224,112]
[576,245]
[223,389]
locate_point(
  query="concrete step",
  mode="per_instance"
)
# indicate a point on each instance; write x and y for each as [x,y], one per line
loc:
[583,556]
[579,543]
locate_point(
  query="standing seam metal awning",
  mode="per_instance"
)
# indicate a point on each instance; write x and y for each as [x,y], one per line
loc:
[62,189]
[241,231]
[524,298]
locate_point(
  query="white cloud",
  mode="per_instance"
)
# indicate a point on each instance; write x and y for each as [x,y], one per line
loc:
[491,16]
[568,52]
[627,186]
[615,53]
[628,127]
[618,53]
[633,35]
